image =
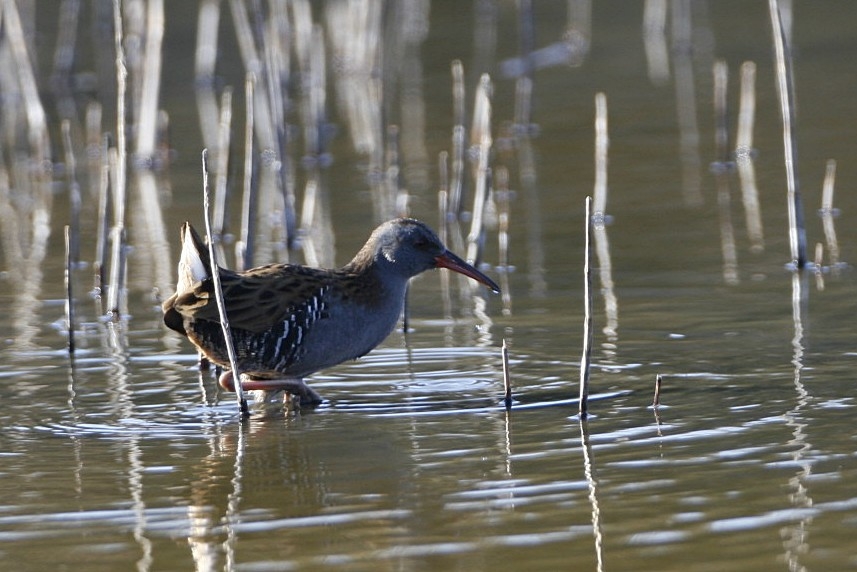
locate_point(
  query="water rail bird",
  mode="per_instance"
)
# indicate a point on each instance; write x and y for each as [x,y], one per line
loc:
[288,321]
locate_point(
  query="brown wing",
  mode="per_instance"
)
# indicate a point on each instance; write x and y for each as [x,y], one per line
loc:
[256,300]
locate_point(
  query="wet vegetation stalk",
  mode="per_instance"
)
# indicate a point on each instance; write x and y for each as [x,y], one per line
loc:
[224,131]
[117,237]
[118,171]
[481,135]
[721,168]
[818,268]
[785,89]
[73,193]
[828,214]
[102,227]
[599,220]
[456,182]
[246,246]
[205,59]
[507,382]
[586,355]
[744,157]
[503,216]
[146,124]
[657,399]
[69,297]
[218,293]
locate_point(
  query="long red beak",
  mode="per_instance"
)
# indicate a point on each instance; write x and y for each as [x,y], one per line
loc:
[456,264]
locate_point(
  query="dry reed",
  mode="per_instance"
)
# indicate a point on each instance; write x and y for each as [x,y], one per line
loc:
[507,383]
[785,90]
[721,168]
[218,293]
[586,354]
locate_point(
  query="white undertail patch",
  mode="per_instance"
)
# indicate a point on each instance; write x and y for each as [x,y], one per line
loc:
[191,267]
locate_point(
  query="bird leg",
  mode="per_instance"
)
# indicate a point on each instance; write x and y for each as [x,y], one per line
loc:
[295,387]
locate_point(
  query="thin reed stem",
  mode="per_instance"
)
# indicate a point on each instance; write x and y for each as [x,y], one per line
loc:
[507,383]
[785,89]
[218,294]
[247,243]
[721,168]
[222,167]
[147,114]
[456,183]
[828,213]
[481,134]
[69,294]
[744,157]
[102,227]
[656,401]
[73,193]
[586,355]
[118,162]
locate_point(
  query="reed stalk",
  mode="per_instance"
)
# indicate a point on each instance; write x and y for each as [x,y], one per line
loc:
[785,90]
[456,183]
[600,218]
[118,169]
[102,226]
[507,383]
[224,133]
[481,136]
[245,249]
[744,157]
[117,238]
[205,60]
[817,266]
[69,294]
[721,168]
[218,294]
[73,193]
[503,218]
[656,401]
[686,107]
[586,355]
[146,123]
[828,213]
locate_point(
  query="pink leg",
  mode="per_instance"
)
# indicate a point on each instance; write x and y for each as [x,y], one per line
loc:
[293,386]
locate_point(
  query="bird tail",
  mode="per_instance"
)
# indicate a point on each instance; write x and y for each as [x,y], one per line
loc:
[195,263]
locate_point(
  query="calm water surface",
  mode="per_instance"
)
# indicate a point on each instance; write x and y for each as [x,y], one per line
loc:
[129,457]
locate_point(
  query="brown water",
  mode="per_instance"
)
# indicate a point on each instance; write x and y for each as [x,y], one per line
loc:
[131,458]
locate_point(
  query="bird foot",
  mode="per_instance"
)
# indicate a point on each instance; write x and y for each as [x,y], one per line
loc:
[300,392]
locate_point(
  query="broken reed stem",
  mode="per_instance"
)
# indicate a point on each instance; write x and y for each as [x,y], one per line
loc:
[146,127]
[456,183]
[503,216]
[785,89]
[828,213]
[246,246]
[223,142]
[117,238]
[507,383]
[118,162]
[73,193]
[721,168]
[69,299]
[218,293]
[819,268]
[744,157]
[481,133]
[657,399]
[103,231]
[586,355]
[602,144]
